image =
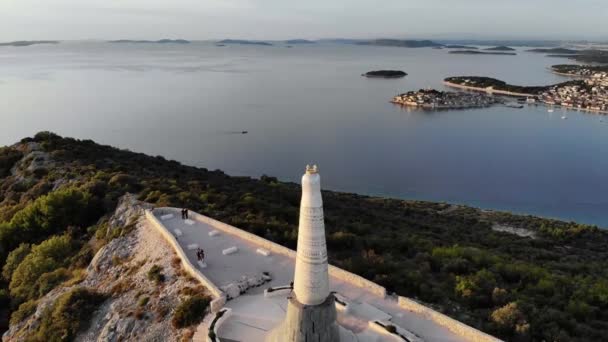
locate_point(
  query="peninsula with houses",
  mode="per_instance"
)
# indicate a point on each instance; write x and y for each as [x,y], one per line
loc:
[434,99]
[590,94]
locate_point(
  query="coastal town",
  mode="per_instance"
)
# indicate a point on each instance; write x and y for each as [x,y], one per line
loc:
[434,99]
[591,95]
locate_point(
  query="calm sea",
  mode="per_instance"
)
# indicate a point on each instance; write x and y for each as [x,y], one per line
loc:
[309,104]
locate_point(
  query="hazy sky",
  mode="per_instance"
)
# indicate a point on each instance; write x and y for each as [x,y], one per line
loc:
[278,19]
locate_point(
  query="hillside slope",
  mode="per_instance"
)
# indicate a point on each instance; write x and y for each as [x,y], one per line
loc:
[517,277]
[134,307]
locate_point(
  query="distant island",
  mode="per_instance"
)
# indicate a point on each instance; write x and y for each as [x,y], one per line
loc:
[299,41]
[21,43]
[585,56]
[473,52]
[562,51]
[591,56]
[465,47]
[385,74]
[400,43]
[243,42]
[161,41]
[500,48]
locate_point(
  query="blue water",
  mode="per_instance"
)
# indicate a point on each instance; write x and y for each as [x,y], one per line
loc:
[310,104]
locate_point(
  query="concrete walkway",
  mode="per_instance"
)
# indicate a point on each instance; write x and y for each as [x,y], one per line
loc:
[253,314]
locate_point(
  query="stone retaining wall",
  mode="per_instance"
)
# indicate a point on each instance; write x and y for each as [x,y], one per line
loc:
[218,325]
[451,324]
[193,271]
[336,272]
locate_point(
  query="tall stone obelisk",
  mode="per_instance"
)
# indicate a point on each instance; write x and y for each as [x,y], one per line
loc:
[311,311]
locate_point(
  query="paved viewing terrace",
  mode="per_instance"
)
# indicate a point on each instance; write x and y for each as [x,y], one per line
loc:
[253,314]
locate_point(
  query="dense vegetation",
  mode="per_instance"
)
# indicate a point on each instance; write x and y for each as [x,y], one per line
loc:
[553,287]
[70,314]
[486,82]
[385,74]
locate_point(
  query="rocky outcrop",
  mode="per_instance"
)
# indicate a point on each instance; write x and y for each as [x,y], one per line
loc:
[137,308]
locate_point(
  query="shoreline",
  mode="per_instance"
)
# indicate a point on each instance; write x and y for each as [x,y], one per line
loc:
[568,75]
[508,93]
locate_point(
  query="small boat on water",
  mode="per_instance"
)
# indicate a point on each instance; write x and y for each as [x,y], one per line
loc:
[244,132]
[550,110]
[564,117]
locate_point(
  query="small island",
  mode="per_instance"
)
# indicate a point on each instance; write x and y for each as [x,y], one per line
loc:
[474,52]
[243,42]
[434,99]
[500,48]
[401,43]
[161,41]
[21,43]
[385,74]
[585,56]
[561,51]
[299,41]
[465,47]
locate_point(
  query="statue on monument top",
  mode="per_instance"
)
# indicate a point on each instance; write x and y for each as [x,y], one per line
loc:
[312,169]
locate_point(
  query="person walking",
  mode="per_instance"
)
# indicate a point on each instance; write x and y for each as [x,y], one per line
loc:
[202,255]
[183,214]
[186,213]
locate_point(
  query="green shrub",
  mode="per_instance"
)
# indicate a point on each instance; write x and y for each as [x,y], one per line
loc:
[155,274]
[14,259]
[190,311]
[45,257]
[70,314]
[23,312]
[50,280]
[48,215]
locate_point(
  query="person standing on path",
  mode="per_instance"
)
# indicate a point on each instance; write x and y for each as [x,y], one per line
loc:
[186,213]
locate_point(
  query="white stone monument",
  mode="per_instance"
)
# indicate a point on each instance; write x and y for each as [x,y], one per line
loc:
[311,311]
